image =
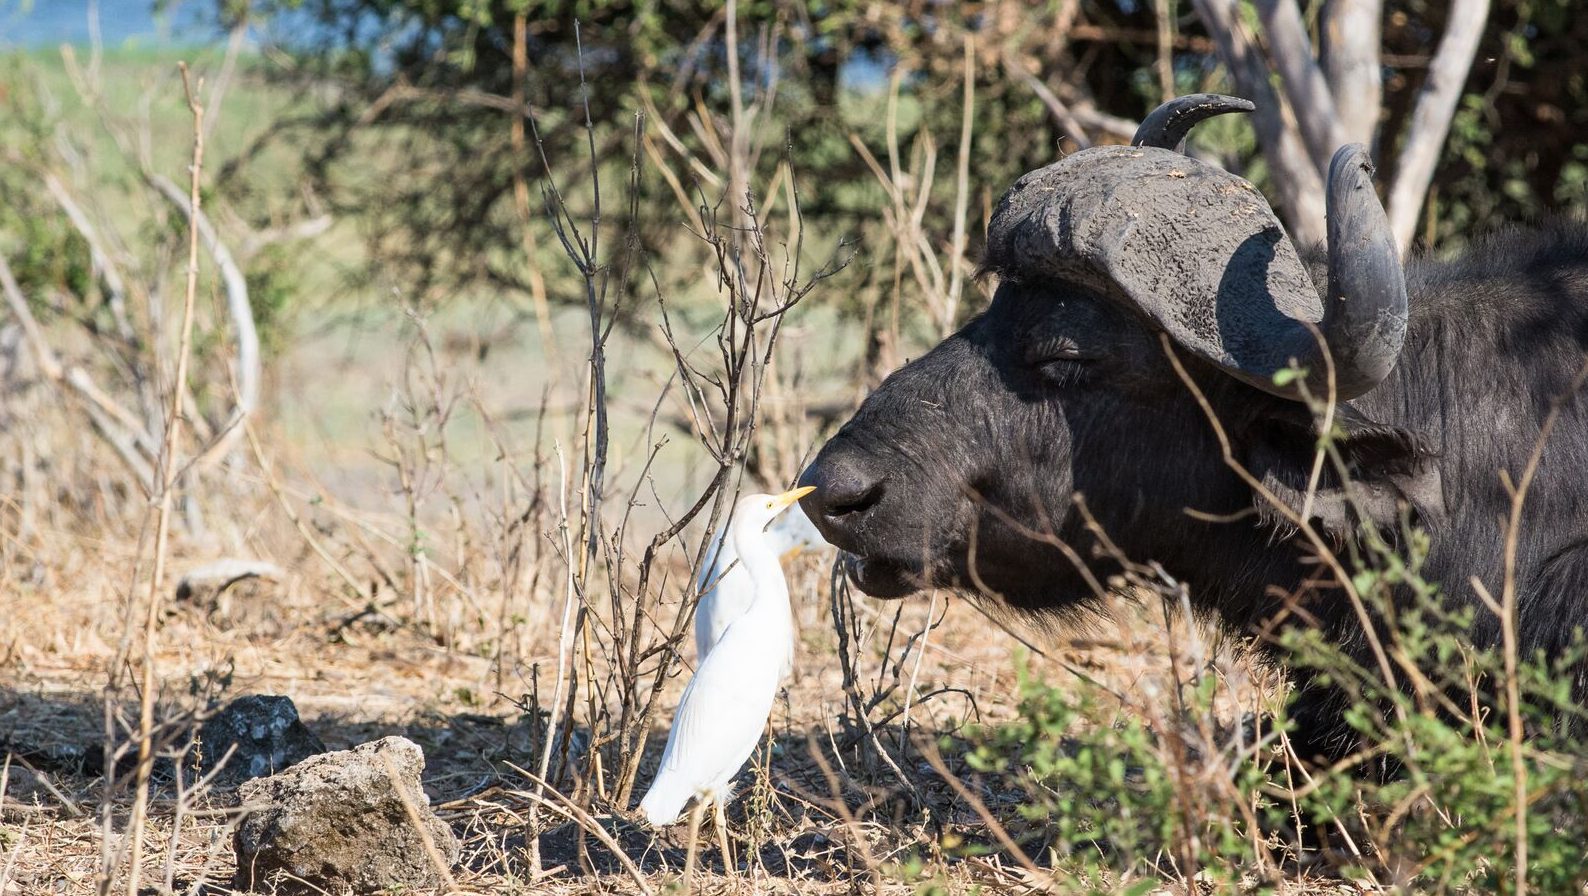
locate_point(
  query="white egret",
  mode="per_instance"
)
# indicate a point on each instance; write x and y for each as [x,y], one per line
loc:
[726,704]
[725,587]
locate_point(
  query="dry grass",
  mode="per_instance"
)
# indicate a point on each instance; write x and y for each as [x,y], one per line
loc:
[822,822]
[826,810]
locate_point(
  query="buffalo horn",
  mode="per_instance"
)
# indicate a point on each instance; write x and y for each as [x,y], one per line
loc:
[1168,124]
[1364,315]
[1198,252]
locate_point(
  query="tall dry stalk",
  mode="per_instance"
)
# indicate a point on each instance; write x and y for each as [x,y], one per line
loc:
[582,248]
[166,481]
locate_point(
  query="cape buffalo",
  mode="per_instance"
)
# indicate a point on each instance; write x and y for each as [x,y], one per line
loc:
[1118,268]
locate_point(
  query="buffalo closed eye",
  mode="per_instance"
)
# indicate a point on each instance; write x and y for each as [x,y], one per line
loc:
[1060,359]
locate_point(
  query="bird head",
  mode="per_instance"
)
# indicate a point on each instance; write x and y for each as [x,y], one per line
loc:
[755,512]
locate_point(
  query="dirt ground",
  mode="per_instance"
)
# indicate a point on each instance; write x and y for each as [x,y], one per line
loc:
[805,824]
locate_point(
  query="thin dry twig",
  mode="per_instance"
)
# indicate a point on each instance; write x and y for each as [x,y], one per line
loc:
[170,444]
[567,808]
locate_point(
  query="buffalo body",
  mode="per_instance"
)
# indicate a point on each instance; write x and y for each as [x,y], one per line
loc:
[1080,404]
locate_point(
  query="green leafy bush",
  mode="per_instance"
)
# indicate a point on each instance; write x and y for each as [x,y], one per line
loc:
[1111,791]
[1105,797]
[1444,813]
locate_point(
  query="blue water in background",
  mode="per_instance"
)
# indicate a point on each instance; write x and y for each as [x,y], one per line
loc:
[34,24]
[135,24]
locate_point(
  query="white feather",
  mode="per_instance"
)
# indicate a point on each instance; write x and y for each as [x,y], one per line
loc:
[720,719]
[724,583]
[726,704]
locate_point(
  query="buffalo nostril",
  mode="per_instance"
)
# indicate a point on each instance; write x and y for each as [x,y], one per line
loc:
[842,488]
[853,496]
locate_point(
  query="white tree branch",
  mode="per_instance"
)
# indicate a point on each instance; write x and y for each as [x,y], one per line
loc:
[1430,122]
[234,47]
[305,229]
[1350,31]
[109,274]
[1305,87]
[119,428]
[1295,177]
[237,306]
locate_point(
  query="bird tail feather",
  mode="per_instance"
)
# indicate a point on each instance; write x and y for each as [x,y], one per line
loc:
[664,802]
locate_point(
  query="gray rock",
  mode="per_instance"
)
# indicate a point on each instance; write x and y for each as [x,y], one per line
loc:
[337,823]
[264,735]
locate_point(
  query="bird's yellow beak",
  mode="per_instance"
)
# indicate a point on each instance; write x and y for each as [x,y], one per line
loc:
[787,499]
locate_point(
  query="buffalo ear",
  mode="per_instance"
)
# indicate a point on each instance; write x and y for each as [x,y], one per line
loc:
[1388,471]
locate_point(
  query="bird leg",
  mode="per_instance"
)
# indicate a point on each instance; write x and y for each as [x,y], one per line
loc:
[729,866]
[695,816]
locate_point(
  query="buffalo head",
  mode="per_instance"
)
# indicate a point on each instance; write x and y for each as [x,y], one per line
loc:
[1055,431]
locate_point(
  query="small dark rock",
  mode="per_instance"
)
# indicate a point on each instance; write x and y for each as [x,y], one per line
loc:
[25,786]
[338,823]
[266,734]
[60,758]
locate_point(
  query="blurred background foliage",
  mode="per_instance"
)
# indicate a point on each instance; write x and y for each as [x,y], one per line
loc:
[408,126]
[395,119]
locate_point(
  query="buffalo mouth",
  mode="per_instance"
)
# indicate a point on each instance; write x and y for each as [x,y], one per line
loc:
[880,577]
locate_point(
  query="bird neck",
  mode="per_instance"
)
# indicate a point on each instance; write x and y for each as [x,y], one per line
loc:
[760,561]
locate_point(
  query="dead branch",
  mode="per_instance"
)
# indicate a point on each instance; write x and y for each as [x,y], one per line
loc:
[1056,107]
[306,229]
[1087,113]
[1107,34]
[1430,122]
[1349,34]
[1295,177]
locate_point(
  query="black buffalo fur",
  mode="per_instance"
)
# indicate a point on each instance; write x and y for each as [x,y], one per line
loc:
[962,468]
